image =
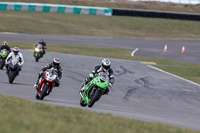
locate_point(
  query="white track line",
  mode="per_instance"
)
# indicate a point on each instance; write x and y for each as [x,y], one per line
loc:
[173,75]
[132,54]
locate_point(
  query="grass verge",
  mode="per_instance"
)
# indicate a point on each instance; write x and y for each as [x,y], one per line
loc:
[22,116]
[186,70]
[101,26]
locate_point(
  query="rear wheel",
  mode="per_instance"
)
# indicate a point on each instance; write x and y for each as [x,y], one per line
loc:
[44,90]
[82,102]
[94,98]
[36,59]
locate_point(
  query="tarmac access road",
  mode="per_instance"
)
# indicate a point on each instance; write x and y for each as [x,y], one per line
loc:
[140,92]
[152,48]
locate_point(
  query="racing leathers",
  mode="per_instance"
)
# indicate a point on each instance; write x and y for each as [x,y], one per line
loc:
[95,71]
[49,66]
[5,47]
[19,58]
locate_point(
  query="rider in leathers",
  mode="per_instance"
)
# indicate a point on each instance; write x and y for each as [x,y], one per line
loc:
[55,65]
[15,55]
[5,46]
[44,45]
[104,67]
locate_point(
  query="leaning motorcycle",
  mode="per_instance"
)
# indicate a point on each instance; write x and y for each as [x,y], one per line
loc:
[94,89]
[38,52]
[3,56]
[13,70]
[46,83]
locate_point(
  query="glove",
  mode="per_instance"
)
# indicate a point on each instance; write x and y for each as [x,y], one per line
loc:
[40,73]
[91,75]
[110,85]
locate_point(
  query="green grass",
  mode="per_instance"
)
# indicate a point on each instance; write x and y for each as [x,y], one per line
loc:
[100,26]
[186,70]
[23,116]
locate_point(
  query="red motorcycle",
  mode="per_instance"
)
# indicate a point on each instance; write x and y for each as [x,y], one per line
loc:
[46,83]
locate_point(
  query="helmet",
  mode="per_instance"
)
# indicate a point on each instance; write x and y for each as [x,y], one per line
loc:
[4,43]
[16,50]
[56,62]
[105,64]
[41,41]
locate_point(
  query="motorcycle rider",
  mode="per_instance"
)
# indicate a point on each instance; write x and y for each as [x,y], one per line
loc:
[56,65]
[15,55]
[5,46]
[104,67]
[44,45]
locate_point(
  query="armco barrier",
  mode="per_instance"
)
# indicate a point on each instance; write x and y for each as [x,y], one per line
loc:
[39,7]
[156,14]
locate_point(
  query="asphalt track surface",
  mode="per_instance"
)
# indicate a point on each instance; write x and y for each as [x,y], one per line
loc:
[147,47]
[139,92]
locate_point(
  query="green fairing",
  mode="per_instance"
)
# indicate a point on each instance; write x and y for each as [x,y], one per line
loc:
[4,54]
[97,82]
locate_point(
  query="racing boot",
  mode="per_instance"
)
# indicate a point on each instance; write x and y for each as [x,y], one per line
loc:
[36,85]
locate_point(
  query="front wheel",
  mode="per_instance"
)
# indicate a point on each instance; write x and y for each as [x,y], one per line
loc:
[36,59]
[44,90]
[94,98]
[2,64]
[11,76]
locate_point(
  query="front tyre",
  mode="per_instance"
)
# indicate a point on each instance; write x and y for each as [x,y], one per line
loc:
[2,64]
[11,77]
[44,90]
[36,59]
[94,98]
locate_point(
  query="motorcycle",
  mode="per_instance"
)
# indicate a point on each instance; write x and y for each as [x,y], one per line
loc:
[38,52]
[13,70]
[94,89]
[46,83]
[3,56]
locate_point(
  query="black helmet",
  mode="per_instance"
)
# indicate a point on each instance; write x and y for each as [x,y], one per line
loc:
[56,62]
[42,41]
[105,64]
[16,50]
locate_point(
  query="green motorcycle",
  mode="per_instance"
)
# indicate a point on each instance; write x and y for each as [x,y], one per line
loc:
[3,56]
[38,52]
[94,89]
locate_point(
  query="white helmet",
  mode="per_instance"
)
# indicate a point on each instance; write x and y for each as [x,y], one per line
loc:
[4,43]
[16,50]
[105,64]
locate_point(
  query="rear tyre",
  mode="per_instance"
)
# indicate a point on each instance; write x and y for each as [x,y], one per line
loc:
[44,90]
[11,76]
[36,59]
[94,98]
